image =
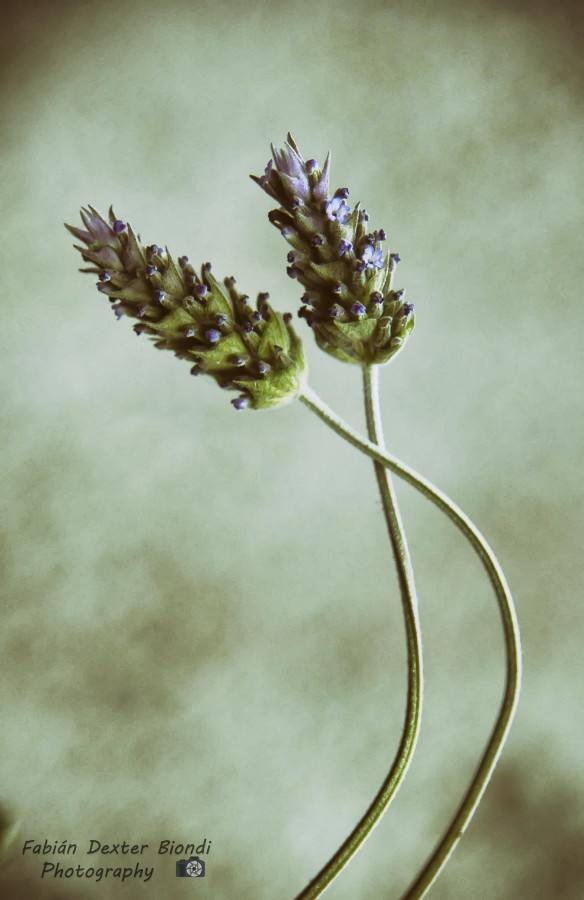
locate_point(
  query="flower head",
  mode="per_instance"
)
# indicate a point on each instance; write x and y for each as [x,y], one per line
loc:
[346,276]
[213,326]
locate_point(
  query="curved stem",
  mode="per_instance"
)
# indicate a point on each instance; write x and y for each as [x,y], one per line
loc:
[405,751]
[492,752]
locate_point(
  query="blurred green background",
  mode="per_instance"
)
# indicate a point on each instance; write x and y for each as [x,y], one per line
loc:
[201,627]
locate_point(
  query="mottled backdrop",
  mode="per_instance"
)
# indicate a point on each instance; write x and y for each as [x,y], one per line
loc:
[201,627]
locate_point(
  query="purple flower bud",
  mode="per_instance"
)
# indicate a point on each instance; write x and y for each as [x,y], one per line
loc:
[159,296]
[248,328]
[364,215]
[306,297]
[119,312]
[376,297]
[395,257]
[220,319]
[201,290]
[142,310]
[196,370]
[105,276]
[263,297]
[337,287]
[256,316]
[358,309]
[342,192]
[292,271]
[238,362]
[359,265]
[311,165]
[336,310]
[407,308]
[151,270]
[345,247]
[399,294]
[240,402]
[183,261]
[189,332]
[291,256]
[207,267]
[288,232]
[381,235]
[119,226]
[295,202]
[213,335]
[318,240]
[263,367]
[102,288]
[138,329]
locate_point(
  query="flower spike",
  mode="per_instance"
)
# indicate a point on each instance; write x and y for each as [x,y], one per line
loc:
[341,265]
[212,326]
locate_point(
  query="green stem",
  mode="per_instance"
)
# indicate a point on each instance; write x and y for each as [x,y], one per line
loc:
[492,752]
[405,751]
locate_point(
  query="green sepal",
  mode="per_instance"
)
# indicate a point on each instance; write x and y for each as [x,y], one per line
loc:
[173,325]
[329,272]
[218,356]
[171,279]
[275,334]
[359,331]
[276,389]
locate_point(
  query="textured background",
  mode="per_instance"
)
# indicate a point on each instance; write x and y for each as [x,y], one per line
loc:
[201,628]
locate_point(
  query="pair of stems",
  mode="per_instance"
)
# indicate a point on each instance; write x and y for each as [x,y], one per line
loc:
[375,449]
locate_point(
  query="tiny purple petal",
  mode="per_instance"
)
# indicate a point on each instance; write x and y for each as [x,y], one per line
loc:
[189,332]
[151,270]
[337,210]
[201,290]
[119,226]
[263,367]
[105,276]
[213,335]
[376,297]
[358,309]
[220,319]
[311,165]
[159,296]
[395,257]
[345,247]
[336,310]
[372,258]
[342,192]
[240,402]
[407,308]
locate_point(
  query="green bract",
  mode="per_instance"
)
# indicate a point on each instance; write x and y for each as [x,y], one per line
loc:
[243,346]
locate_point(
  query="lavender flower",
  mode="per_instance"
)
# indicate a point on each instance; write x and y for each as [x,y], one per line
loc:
[256,351]
[372,258]
[354,313]
[337,210]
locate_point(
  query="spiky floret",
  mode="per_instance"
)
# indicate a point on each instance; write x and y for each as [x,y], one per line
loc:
[348,301]
[243,346]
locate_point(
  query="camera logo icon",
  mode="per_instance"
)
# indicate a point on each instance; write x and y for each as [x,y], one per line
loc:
[193,867]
